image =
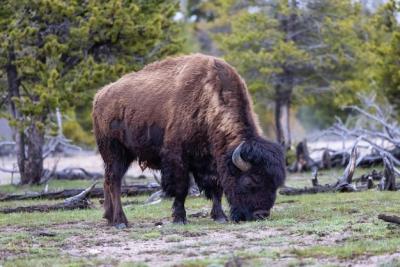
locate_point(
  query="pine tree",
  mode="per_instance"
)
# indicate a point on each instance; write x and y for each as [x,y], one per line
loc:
[53,53]
[386,46]
[291,52]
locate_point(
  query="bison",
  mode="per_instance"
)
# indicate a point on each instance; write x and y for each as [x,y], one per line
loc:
[189,114]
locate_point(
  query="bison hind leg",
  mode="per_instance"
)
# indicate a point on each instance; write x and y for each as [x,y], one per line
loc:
[175,183]
[116,161]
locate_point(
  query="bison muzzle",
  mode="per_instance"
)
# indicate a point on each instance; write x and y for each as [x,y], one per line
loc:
[183,115]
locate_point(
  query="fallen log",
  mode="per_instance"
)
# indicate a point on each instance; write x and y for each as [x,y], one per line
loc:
[326,161]
[79,201]
[388,181]
[370,160]
[344,183]
[159,195]
[374,175]
[389,218]
[340,159]
[131,190]
[291,191]
[76,174]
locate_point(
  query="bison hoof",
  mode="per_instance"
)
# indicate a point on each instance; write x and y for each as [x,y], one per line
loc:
[180,221]
[121,226]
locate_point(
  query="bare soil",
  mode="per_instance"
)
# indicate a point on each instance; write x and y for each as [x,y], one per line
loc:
[174,246]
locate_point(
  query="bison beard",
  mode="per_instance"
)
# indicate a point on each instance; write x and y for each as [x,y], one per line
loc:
[184,115]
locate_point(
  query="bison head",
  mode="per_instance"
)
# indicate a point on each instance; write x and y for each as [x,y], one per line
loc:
[257,169]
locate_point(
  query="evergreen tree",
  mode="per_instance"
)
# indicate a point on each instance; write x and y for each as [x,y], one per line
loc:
[53,53]
[285,49]
[386,46]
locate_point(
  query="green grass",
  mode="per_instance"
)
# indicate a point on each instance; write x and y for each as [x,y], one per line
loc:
[53,185]
[351,249]
[56,261]
[322,229]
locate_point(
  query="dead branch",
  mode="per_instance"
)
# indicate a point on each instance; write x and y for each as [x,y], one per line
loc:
[7,148]
[344,182]
[76,173]
[155,198]
[314,180]
[7,143]
[291,191]
[79,201]
[8,170]
[326,161]
[374,175]
[59,143]
[132,190]
[375,126]
[47,175]
[389,218]
[388,181]
[158,196]
[80,196]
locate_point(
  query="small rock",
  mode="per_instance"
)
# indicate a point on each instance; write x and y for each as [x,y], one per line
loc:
[44,233]
[192,254]
[120,226]
[158,223]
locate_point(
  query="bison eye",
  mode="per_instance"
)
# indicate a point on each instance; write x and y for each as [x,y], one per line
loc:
[249,182]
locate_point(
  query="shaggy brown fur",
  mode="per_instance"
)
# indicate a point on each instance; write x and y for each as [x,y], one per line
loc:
[182,115]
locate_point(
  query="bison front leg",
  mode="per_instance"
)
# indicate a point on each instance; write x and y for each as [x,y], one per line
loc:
[208,183]
[178,210]
[217,213]
[175,183]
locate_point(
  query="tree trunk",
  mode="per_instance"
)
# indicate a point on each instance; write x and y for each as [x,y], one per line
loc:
[13,92]
[33,165]
[20,147]
[283,93]
[282,119]
[29,146]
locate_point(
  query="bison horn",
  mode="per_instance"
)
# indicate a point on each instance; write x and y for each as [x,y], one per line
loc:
[238,160]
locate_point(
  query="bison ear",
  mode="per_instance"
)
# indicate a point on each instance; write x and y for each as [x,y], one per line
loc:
[237,159]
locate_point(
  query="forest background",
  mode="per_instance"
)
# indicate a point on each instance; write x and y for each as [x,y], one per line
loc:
[303,61]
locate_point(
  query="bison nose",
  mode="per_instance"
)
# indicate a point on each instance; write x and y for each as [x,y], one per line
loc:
[260,214]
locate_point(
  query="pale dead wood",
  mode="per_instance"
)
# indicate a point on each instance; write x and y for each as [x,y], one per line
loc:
[131,190]
[375,126]
[79,201]
[344,183]
[388,181]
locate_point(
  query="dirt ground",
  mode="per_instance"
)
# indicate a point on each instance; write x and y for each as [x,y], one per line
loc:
[332,229]
[175,247]
[152,240]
